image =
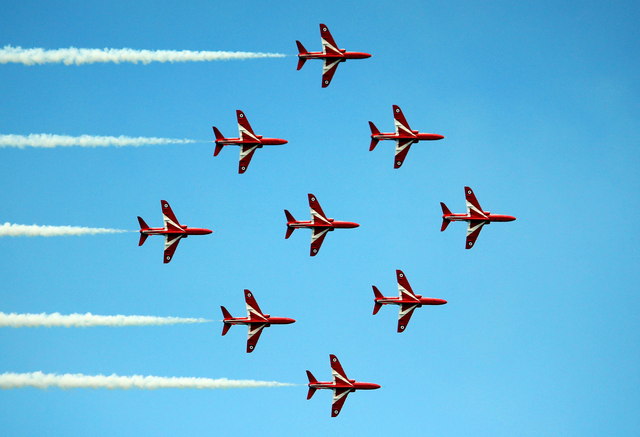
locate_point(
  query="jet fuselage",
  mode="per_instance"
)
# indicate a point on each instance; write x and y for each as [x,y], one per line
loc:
[330,385]
[332,225]
[262,141]
[185,230]
[269,321]
[489,217]
[343,55]
[421,301]
[403,136]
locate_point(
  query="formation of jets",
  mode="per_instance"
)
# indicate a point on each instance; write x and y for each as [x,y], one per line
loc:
[320,225]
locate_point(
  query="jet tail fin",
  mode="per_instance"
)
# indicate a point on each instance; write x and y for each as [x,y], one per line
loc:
[217,133]
[143,226]
[445,223]
[219,137]
[445,212]
[374,131]
[225,328]
[377,295]
[312,380]
[289,232]
[226,315]
[301,51]
[310,393]
[143,238]
[290,218]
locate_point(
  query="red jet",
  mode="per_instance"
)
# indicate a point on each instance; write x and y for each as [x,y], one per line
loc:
[407,300]
[248,141]
[403,136]
[475,216]
[341,385]
[173,231]
[255,320]
[319,224]
[330,54]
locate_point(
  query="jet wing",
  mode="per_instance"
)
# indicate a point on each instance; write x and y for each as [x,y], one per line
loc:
[473,231]
[329,67]
[246,133]
[473,206]
[246,153]
[329,46]
[339,398]
[317,214]
[317,237]
[170,245]
[253,310]
[402,127]
[406,311]
[339,376]
[404,289]
[169,218]
[254,336]
[402,148]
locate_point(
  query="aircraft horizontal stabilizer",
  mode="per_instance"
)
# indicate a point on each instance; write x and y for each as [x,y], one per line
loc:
[218,149]
[301,49]
[143,224]
[310,393]
[217,133]
[143,238]
[225,328]
[312,379]
[226,314]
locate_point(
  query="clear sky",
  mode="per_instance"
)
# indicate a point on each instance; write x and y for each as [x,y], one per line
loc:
[539,105]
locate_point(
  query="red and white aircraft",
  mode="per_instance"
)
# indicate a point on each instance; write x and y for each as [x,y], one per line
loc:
[341,385]
[475,216]
[247,140]
[330,54]
[403,136]
[319,224]
[173,231]
[256,320]
[407,300]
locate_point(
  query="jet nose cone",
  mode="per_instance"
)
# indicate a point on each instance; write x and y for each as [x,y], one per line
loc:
[288,320]
[367,55]
[443,302]
[375,386]
[208,231]
[440,137]
[511,218]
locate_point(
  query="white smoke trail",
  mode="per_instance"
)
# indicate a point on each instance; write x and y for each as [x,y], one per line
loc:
[14,320]
[51,140]
[78,380]
[14,230]
[72,55]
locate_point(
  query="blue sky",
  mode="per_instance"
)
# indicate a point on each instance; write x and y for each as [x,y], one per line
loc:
[539,106]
